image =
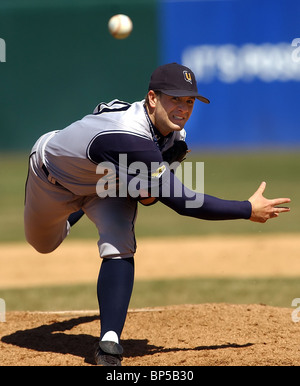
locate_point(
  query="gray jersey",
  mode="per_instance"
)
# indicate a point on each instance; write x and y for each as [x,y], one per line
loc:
[70,154]
[63,178]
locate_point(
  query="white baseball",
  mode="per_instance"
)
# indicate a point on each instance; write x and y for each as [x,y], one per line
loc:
[120,26]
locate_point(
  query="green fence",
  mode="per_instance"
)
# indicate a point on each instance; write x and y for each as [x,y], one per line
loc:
[61,62]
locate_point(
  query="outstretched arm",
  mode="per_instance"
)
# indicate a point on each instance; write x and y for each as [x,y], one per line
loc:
[263,209]
[199,205]
[257,208]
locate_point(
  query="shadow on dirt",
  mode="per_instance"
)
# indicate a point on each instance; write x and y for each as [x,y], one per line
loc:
[52,338]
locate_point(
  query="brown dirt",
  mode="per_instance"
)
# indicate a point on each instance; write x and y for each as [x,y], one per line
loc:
[188,335]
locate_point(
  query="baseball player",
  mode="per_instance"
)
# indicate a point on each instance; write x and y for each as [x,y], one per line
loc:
[93,167]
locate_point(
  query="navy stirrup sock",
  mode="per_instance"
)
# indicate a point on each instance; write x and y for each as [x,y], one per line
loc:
[74,217]
[114,289]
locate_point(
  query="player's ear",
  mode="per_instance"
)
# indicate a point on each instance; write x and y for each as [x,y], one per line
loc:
[152,99]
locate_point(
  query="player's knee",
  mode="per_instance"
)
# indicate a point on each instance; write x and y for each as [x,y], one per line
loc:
[44,250]
[44,241]
[41,247]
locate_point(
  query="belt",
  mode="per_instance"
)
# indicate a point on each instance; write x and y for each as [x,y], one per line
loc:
[50,179]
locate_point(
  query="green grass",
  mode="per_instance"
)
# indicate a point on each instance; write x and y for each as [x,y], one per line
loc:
[278,292]
[13,173]
[228,175]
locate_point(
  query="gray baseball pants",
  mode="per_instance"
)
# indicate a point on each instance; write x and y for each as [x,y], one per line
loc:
[48,206]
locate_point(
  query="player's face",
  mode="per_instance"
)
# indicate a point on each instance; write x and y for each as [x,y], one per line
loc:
[172,113]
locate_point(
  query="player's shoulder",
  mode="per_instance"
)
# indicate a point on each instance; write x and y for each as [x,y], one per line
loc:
[113,106]
[124,116]
[118,106]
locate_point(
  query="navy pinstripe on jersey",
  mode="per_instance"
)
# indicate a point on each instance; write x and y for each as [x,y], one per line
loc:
[113,106]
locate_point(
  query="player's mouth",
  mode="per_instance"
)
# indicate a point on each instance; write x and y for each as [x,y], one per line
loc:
[178,120]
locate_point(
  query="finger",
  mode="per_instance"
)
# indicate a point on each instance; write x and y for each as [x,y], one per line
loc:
[282,210]
[279,201]
[262,187]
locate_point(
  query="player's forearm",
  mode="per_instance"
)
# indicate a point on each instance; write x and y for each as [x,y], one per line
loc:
[203,206]
[212,208]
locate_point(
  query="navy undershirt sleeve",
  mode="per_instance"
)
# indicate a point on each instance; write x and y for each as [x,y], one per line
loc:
[108,147]
[199,205]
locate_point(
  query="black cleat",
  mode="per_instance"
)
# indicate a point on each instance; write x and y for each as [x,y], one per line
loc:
[108,354]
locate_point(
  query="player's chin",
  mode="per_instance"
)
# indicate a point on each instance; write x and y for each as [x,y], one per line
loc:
[177,125]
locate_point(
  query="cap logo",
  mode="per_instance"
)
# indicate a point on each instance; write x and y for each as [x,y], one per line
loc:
[187,77]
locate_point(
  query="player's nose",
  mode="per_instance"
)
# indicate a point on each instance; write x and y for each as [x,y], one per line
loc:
[183,107]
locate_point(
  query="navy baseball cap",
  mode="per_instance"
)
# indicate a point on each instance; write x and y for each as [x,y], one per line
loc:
[175,80]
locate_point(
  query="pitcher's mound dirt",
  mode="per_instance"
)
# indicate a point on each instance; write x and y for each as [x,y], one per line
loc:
[187,335]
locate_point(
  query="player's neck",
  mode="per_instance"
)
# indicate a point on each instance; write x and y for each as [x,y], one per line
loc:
[156,129]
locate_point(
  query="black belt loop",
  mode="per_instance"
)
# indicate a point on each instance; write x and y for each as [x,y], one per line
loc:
[45,170]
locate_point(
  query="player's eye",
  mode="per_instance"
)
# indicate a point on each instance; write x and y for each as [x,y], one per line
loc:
[190,102]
